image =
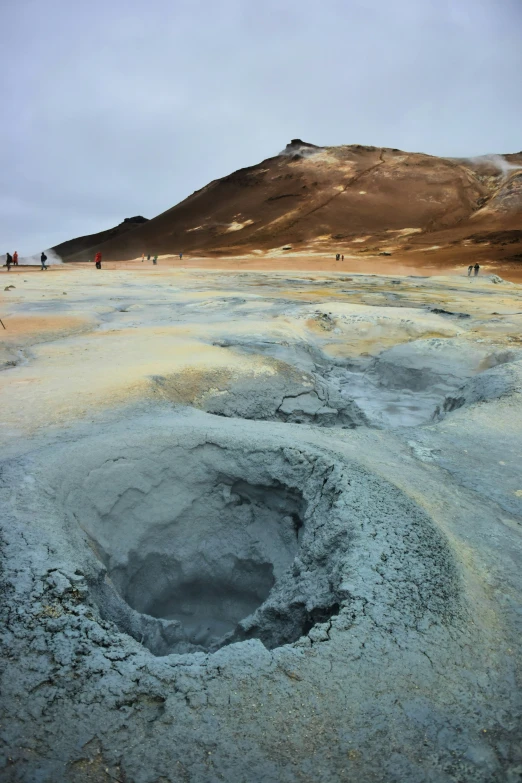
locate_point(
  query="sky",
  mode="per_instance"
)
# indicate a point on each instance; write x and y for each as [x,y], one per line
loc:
[115,108]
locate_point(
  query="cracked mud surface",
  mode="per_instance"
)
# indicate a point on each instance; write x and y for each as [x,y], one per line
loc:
[261,527]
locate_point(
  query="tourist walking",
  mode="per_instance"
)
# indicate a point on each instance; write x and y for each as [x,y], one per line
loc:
[155,260]
[98,260]
[470,270]
[43,259]
[180,256]
[15,258]
[476,268]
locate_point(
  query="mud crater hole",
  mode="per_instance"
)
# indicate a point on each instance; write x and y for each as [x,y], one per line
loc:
[199,548]
[408,385]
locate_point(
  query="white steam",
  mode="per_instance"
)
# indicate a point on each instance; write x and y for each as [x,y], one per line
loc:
[302,149]
[498,162]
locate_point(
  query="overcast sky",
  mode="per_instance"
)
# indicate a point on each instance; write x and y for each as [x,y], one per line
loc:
[114,108]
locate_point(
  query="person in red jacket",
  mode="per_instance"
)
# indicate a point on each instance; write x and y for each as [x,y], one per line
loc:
[15,258]
[97,260]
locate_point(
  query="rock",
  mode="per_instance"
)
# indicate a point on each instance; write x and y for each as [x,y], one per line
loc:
[440,311]
[136,219]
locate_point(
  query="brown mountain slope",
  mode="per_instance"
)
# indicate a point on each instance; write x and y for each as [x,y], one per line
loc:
[85,244]
[351,199]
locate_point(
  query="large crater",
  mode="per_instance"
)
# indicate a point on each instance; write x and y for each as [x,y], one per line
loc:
[198,537]
[204,546]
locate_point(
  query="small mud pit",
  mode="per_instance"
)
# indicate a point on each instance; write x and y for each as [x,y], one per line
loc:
[409,385]
[204,546]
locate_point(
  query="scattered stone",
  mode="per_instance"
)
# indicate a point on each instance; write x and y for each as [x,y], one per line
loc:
[440,311]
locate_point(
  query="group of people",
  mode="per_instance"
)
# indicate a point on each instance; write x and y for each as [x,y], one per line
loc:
[155,258]
[98,258]
[11,260]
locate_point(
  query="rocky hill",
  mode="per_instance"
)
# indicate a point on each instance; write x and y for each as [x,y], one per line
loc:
[348,199]
[89,243]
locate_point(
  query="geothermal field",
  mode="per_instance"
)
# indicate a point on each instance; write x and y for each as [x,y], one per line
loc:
[260,524]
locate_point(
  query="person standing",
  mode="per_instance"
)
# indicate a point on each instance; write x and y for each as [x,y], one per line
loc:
[98,260]
[470,270]
[180,256]
[15,258]
[155,260]
[43,259]
[342,257]
[148,256]
[476,268]
[142,257]
[8,261]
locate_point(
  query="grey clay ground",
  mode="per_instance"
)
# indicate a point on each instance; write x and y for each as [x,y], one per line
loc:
[318,580]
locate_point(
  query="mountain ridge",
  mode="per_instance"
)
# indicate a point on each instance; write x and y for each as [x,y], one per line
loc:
[351,199]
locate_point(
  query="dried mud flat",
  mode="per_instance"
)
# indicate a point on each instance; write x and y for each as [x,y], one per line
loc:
[260,526]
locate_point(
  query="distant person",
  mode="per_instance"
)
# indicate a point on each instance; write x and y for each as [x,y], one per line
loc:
[15,258]
[8,261]
[148,257]
[180,256]
[43,259]
[476,268]
[98,260]
[470,270]
[142,257]
[155,260]
[342,258]
[337,257]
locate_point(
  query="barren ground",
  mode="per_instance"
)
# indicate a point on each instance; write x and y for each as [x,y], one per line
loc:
[261,522]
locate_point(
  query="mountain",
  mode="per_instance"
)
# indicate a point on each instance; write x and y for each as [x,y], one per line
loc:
[348,199]
[90,242]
